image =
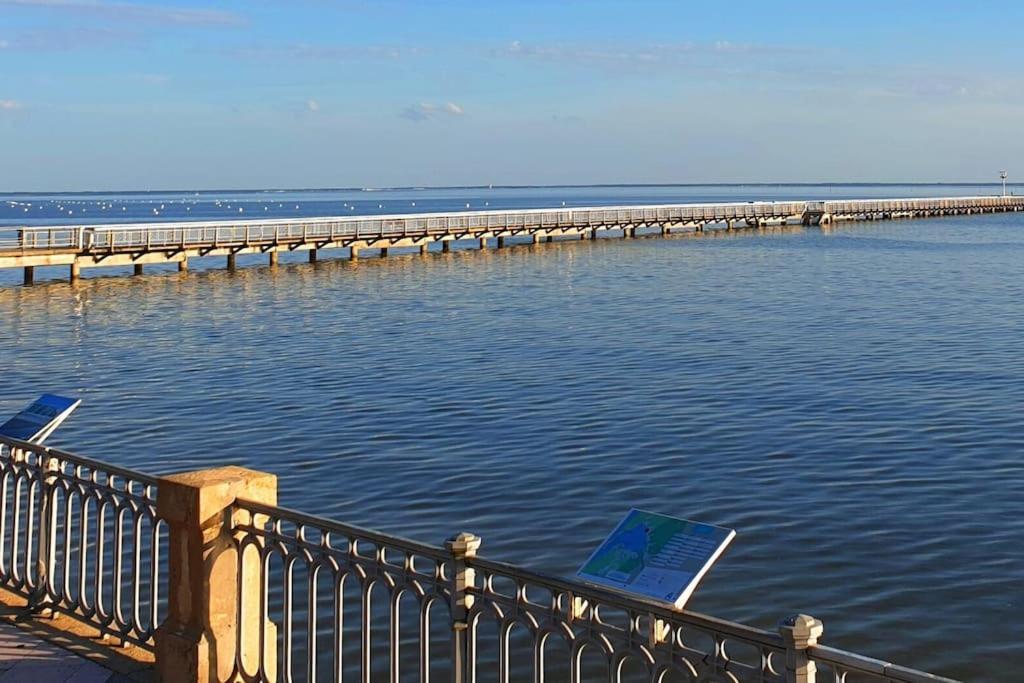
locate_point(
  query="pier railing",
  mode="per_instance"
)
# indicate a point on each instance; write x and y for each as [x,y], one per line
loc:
[333,229]
[163,236]
[206,570]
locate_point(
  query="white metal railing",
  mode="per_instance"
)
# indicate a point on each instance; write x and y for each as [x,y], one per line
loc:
[333,229]
[81,537]
[341,229]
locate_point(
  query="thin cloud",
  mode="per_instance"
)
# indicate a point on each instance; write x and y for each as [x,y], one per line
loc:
[340,53]
[63,40]
[133,12]
[631,55]
[312,105]
[428,110]
[10,105]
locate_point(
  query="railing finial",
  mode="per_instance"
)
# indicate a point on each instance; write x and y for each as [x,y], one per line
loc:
[799,633]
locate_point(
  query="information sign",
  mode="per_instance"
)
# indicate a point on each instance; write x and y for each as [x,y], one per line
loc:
[655,556]
[38,420]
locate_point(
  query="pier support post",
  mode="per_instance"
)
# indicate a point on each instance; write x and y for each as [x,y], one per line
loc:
[501,242]
[199,640]
[537,238]
[628,233]
[76,271]
[183,265]
[29,276]
[312,255]
[353,253]
[231,261]
[799,633]
[424,249]
[446,246]
[272,258]
[138,269]
[383,252]
[483,242]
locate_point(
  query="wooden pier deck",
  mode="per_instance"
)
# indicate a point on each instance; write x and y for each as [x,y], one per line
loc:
[139,244]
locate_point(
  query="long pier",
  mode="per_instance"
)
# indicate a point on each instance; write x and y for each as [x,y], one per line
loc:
[140,244]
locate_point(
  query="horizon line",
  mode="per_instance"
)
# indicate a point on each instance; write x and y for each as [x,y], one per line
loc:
[514,187]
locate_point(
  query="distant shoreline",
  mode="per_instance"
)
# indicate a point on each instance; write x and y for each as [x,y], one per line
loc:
[432,188]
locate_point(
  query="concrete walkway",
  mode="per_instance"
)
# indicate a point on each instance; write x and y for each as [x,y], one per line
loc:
[63,650]
[27,659]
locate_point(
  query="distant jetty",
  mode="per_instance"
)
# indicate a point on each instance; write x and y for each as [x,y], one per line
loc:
[140,244]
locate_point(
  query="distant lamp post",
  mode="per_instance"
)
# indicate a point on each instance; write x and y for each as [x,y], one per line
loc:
[1002,176]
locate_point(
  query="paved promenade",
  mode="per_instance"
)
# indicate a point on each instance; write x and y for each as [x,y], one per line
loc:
[26,659]
[62,650]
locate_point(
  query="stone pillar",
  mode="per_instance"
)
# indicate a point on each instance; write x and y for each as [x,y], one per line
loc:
[273,258]
[628,232]
[198,640]
[446,246]
[312,255]
[501,242]
[483,242]
[799,633]
[76,271]
[231,261]
[424,249]
[183,265]
[29,276]
[353,253]
[383,252]
[462,547]
[138,269]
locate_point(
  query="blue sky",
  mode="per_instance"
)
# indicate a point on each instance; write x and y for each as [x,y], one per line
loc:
[105,94]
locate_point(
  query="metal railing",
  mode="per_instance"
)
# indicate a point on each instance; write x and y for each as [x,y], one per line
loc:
[106,238]
[337,229]
[342,603]
[318,600]
[81,537]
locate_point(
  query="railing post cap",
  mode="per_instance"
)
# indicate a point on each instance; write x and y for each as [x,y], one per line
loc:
[463,544]
[801,630]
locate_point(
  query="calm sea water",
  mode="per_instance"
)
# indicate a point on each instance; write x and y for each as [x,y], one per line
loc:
[850,401]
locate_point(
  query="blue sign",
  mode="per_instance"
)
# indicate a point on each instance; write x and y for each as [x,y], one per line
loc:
[656,556]
[37,421]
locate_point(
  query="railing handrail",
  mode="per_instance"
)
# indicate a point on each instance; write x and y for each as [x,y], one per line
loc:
[348,530]
[823,654]
[80,460]
[630,602]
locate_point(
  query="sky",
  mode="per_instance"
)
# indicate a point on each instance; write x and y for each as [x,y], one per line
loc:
[133,95]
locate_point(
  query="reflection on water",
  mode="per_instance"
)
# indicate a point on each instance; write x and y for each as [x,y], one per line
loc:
[849,401]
